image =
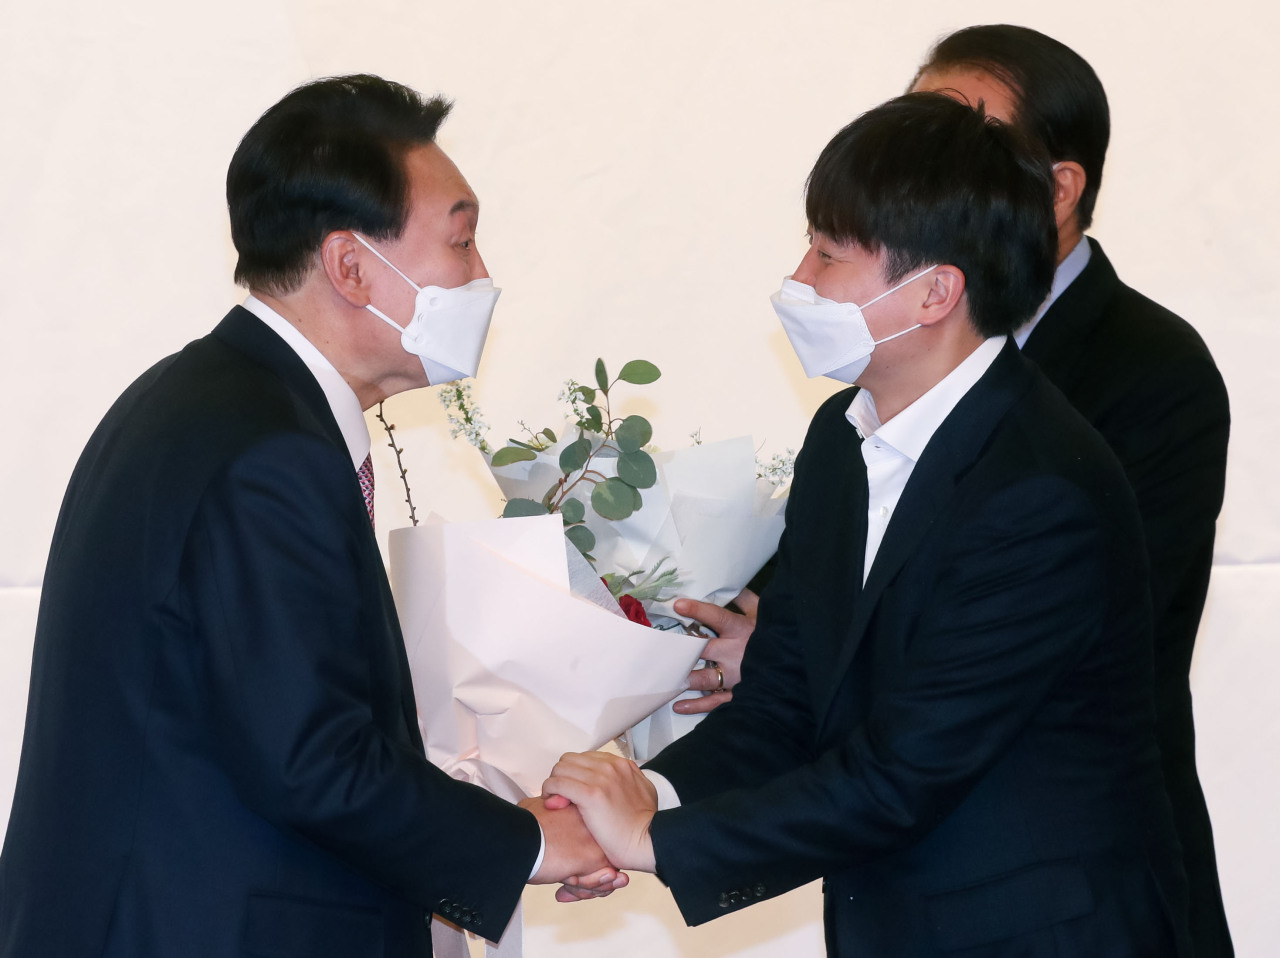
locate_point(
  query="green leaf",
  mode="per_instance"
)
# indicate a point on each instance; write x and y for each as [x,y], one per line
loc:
[636,469]
[639,372]
[587,393]
[633,433]
[595,420]
[638,500]
[582,537]
[550,494]
[551,436]
[613,499]
[523,507]
[509,454]
[573,511]
[602,377]
[574,456]
[522,445]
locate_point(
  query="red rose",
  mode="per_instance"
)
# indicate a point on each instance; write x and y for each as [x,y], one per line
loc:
[634,610]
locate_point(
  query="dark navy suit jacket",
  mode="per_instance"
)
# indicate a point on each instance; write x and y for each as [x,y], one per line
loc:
[964,747]
[1144,379]
[221,753]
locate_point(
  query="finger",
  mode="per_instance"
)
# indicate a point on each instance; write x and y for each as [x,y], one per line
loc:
[748,602]
[556,802]
[605,877]
[566,893]
[708,613]
[703,703]
[706,680]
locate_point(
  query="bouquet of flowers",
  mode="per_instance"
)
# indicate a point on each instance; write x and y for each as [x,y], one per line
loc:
[599,533]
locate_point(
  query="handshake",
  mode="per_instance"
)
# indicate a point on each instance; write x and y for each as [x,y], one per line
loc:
[594,811]
[596,807]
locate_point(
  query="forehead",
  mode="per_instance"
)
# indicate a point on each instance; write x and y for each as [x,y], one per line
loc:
[437,190]
[969,85]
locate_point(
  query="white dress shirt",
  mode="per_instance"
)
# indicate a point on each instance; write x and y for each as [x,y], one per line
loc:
[891,450]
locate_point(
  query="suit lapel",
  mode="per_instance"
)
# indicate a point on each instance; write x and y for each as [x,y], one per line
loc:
[244,332]
[1057,342]
[952,451]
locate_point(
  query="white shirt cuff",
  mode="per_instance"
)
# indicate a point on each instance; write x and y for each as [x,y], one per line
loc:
[542,851]
[667,797]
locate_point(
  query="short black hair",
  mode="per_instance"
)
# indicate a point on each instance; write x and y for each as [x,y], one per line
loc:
[329,156]
[929,180]
[1058,98]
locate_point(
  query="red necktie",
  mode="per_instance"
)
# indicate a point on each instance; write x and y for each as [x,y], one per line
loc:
[365,474]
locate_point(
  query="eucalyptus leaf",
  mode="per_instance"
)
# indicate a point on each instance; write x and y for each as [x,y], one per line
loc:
[613,499]
[582,537]
[509,454]
[632,433]
[573,511]
[551,436]
[637,499]
[587,393]
[574,456]
[602,377]
[523,507]
[595,420]
[636,468]
[522,445]
[639,372]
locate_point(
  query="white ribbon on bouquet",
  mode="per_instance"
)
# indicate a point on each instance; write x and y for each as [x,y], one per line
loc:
[510,667]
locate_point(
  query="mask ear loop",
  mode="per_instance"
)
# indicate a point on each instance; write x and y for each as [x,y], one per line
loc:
[904,332]
[365,244]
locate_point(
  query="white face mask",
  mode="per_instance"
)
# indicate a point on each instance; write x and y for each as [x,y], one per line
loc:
[449,326]
[831,339]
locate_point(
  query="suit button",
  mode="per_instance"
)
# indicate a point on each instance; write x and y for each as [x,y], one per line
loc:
[478,918]
[426,919]
[760,890]
[724,900]
[735,897]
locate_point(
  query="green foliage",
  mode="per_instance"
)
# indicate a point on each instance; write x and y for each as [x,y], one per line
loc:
[613,499]
[643,585]
[523,507]
[509,454]
[600,437]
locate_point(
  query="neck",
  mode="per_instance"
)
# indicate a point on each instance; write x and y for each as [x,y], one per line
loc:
[329,327]
[895,386]
[1069,235]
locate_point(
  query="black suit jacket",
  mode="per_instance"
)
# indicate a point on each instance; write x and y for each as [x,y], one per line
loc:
[221,752]
[965,747]
[1144,379]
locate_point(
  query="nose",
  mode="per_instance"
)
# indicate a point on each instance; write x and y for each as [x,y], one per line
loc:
[805,272]
[478,269]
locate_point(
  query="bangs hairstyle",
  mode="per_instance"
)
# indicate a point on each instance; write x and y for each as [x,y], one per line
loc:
[329,156]
[1058,98]
[929,180]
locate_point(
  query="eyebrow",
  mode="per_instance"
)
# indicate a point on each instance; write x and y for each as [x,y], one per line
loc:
[465,205]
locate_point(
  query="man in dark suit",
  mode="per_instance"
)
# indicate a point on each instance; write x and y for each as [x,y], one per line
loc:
[946,708]
[221,753]
[1140,375]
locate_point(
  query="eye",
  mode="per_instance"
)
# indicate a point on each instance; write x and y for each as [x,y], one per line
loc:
[466,245]
[824,257]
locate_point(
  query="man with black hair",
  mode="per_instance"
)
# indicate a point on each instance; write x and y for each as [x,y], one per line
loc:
[945,709]
[222,754]
[1140,375]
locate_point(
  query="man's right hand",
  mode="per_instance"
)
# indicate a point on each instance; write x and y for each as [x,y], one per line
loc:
[572,855]
[732,631]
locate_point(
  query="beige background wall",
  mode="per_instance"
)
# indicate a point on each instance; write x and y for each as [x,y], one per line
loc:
[640,169]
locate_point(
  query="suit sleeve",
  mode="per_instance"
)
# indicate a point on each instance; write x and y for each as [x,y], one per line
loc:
[295,679]
[1015,606]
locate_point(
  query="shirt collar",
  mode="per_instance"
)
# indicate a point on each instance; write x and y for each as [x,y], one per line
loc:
[342,399]
[1066,274]
[910,431]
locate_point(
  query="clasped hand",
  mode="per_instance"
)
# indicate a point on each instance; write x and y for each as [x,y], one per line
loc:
[616,803]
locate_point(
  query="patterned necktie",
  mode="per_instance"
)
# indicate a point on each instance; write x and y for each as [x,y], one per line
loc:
[365,474]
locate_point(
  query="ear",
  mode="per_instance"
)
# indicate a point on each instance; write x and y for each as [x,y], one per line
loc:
[1068,184]
[343,261]
[946,290]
